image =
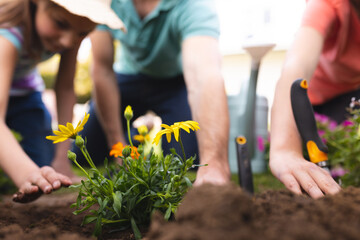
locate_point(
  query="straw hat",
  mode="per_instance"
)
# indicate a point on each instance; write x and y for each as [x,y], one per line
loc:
[98,11]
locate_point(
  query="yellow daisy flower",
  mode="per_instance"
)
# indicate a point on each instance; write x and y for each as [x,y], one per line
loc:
[68,131]
[175,129]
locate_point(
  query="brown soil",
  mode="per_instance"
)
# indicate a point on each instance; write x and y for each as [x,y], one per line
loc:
[207,212]
[227,213]
[49,217]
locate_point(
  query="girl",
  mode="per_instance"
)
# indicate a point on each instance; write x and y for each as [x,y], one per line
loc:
[326,53]
[32,31]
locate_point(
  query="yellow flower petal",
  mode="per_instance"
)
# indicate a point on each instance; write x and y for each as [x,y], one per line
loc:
[68,131]
[71,128]
[56,132]
[186,127]
[175,129]
[176,133]
[61,139]
[165,126]
[52,137]
[157,138]
[64,129]
[81,124]
[139,138]
[168,136]
[194,124]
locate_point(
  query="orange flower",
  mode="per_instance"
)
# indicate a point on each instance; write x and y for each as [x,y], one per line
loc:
[117,149]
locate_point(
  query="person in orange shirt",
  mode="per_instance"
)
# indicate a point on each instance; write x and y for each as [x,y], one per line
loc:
[325,52]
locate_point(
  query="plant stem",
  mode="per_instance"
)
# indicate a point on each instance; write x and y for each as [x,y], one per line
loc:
[182,147]
[87,156]
[129,136]
[86,173]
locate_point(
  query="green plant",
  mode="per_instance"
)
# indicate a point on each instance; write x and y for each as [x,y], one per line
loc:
[343,142]
[126,194]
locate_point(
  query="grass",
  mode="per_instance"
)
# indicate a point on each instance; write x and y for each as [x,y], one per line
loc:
[262,182]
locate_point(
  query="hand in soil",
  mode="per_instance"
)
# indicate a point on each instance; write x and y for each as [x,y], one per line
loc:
[21,197]
[45,180]
[212,173]
[299,175]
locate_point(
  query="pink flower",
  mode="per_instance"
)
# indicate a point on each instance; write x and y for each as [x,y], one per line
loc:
[321,118]
[347,123]
[338,172]
[321,133]
[260,144]
[332,125]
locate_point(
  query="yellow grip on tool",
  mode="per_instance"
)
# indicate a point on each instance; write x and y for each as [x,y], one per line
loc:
[304,84]
[315,154]
[241,140]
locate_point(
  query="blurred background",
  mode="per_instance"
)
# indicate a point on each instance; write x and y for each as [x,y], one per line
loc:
[242,21]
[255,23]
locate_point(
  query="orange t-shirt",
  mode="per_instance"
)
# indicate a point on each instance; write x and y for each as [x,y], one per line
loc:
[338,70]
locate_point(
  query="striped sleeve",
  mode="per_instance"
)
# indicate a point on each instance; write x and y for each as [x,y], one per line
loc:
[14,35]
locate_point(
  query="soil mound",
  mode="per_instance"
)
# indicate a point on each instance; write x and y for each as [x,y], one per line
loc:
[226,212]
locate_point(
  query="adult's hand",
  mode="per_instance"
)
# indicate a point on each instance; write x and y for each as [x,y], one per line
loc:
[45,180]
[213,174]
[298,175]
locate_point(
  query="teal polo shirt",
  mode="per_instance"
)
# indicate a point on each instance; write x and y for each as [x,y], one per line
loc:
[152,45]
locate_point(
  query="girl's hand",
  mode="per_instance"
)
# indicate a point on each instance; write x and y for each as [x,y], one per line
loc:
[299,175]
[45,180]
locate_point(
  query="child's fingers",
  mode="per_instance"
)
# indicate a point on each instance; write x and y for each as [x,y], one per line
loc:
[64,180]
[51,177]
[55,179]
[40,181]
[27,193]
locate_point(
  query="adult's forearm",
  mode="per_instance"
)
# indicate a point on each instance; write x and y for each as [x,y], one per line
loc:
[13,160]
[284,134]
[209,108]
[107,98]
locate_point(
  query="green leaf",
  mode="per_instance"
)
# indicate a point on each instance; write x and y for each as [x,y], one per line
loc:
[88,219]
[135,229]
[168,212]
[117,202]
[98,226]
[188,182]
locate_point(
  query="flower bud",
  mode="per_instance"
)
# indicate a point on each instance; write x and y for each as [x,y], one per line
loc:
[71,156]
[126,151]
[143,130]
[128,114]
[140,149]
[79,141]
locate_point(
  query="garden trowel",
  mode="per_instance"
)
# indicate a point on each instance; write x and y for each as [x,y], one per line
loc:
[244,165]
[306,124]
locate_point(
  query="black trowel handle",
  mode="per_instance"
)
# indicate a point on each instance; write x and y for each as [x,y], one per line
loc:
[306,124]
[244,165]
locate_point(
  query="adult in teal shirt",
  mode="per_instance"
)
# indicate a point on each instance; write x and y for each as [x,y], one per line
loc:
[168,62]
